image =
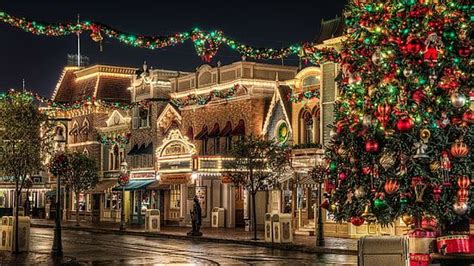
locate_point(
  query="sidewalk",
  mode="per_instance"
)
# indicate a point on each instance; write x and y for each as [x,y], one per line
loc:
[220,235]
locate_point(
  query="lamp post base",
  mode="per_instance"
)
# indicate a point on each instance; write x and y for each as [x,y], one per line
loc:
[57,249]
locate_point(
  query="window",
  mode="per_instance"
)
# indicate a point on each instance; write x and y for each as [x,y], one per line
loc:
[217,144]
[82,202]
[308,124]
[116,157]
[111,201]
[204,143]
[75,131]
[228,144]
[175,197]
[144,117]
[310,81]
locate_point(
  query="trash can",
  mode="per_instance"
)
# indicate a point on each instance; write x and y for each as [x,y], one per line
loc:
[268,227]
[285,229]
[276,225]
[383,250]
[218,217]
[6,233]
[152,220]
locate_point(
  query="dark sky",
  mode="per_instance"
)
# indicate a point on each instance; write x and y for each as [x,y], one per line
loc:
[40,59]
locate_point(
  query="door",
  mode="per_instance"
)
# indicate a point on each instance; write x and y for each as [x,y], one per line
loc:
[239,207]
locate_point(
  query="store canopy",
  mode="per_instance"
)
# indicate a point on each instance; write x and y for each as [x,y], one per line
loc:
[52,193]
[103,186]
[156,185]
[135,185]
[307,181]
[134,150]
[239,130]
[202,134]
[214,132]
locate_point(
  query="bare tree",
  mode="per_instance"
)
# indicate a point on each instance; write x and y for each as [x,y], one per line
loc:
[257,164]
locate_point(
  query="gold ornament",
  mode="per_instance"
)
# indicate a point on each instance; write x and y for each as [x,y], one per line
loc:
[387,160]
[459,149]
[359,192]
[332,208]
[425,134]
[434,166]
[367,215]
[408,219]
[372,89]
[342,152]
[96,36]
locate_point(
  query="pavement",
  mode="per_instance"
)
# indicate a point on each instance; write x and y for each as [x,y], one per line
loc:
[216,235]
[91,248]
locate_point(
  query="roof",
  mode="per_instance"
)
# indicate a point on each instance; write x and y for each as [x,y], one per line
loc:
[107,83]
[280,97]
[330,29]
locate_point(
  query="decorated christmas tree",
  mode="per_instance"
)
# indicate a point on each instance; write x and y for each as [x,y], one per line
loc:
[403,132]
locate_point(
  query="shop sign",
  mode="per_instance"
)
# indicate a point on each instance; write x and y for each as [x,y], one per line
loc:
[174,179]
[143,175]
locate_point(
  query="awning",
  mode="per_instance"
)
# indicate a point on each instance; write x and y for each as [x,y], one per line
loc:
[227,129]
[239,130]
[148,149]
[307,181]
[214,132]
[135,185]
[158,185]
[52,193]
[202,134]
[103,186]
[134,150]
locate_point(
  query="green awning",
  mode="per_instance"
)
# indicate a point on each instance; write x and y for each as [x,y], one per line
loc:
[135,185]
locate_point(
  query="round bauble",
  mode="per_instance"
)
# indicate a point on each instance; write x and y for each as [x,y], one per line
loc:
[463,182]
[380,203]
[359,192]
[332,166]
[405,124]
[464,51]
[377,58]
[325,204]
[371,146]
[458,100]
[408,219]
[342,176]
[391,186]
[468,116]
[387,160]
[333,207]
[418,96]
[460,208]
[408,72]
[459,149]
[341,151]
[462,195]
[357,221]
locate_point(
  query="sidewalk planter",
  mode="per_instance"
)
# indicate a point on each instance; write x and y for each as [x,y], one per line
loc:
[8,233]
[282,229]
[218,217]
[152,220]
[382,250]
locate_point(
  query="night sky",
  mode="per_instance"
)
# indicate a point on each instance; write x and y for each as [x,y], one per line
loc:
[40,59]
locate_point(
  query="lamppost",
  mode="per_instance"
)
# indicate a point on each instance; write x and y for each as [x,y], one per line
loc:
[123,180]
[57,250]
[318,173]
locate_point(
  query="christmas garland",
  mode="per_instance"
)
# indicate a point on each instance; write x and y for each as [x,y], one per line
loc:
[119,140]
[303,96]
[193,99]
[205,43]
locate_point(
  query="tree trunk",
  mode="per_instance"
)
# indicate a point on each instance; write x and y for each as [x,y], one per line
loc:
[77,208]
[17,202]
[254,216]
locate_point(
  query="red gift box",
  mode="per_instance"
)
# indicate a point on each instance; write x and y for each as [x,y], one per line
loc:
[471,244]
[419,259]
[453,244]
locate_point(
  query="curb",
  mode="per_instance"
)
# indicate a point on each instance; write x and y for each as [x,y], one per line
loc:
[286,247]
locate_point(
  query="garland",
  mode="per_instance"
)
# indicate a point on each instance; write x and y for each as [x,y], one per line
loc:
[193,99]
[205,43]
[302,96]
[119,140]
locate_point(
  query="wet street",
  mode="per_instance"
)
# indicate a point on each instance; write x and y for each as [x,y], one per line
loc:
[107,249]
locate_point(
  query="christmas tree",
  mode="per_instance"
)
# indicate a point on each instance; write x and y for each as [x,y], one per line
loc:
[403,122]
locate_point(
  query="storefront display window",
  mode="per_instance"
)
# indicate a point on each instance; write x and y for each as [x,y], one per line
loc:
[112,201]
[82,202]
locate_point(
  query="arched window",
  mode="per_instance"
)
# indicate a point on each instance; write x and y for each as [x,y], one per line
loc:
[85,152]
[74,131]
[308,125]
[85,128]
[310,81]
[116,157]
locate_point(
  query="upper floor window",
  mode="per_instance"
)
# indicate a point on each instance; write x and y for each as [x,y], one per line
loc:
[141,117]
[310,81]
[116,157]
[309,126]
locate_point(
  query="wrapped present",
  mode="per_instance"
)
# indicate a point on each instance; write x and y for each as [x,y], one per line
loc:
[471,244]
[419,259]
[453,244]
[421,241]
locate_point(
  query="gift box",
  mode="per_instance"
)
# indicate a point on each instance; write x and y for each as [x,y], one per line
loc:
[421,241]
[419,259]
[471,244]
[453,244]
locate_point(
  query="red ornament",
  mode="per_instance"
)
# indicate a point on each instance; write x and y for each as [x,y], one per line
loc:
[383,113]
[357,221]
[459,149]
[462,195]
[414,45]
[468,116]
[437,192]
[418,96]
[404,124]
[391,186]
[325,204]
[464,51]
[371,145]
[429,223]
[463,182]
[342,176]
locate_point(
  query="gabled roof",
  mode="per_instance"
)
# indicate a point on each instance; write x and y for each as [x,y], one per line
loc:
[106,83]
[280,97]
[330,29]
[170,111]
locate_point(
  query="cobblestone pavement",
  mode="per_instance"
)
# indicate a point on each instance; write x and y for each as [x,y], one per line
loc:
[83,248]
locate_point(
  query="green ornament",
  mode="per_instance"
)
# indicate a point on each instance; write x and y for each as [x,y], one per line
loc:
[380,203]
[332,166]
[403,202]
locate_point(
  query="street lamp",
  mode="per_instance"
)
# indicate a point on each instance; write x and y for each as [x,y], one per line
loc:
[318,173]
[60,140]
[123,181]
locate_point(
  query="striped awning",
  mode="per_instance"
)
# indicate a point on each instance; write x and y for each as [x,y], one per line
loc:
[307,181]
